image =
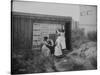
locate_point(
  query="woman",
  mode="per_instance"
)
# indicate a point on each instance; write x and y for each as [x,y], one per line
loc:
[60,43]
[45,49]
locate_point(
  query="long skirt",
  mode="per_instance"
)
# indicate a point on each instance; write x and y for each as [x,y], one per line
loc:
[45,51]
[58,51]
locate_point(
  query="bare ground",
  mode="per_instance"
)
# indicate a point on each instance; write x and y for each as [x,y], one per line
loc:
[83,58]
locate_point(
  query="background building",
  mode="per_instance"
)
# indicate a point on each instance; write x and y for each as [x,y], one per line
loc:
[88,18]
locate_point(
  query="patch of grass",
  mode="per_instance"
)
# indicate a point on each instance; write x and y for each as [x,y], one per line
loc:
[77,38]
[92,35]
[30,61]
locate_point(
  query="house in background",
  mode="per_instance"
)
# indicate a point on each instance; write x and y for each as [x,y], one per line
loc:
[88,18]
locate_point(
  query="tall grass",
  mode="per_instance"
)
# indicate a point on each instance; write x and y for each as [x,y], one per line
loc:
[92,36]
[31,61]
[77,38]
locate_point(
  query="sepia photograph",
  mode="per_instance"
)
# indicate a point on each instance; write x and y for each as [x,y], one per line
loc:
[51,37]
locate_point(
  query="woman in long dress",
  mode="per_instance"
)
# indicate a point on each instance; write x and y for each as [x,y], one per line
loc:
[45,49]
[60,43]
[58,50]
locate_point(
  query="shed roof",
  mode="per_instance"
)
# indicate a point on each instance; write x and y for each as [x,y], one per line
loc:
[43,16]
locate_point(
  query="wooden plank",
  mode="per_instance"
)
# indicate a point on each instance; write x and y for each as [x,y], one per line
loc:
[22,32]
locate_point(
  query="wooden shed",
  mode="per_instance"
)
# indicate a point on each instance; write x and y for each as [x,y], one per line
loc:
[24,27]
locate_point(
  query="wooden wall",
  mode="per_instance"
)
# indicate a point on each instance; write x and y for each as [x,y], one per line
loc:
[21,32]
[22,29]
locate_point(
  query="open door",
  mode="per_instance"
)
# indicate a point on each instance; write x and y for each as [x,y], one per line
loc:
[68,34]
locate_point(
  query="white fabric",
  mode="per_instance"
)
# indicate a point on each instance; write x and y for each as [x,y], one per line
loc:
[45,50]
[60,44]
[58,50]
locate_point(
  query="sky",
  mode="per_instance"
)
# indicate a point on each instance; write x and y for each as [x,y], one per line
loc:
[77,12]
[47,8]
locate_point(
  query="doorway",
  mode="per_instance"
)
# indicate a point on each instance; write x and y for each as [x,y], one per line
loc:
[68,34]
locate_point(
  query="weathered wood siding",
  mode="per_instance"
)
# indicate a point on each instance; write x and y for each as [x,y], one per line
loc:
[21,32]
[22,28]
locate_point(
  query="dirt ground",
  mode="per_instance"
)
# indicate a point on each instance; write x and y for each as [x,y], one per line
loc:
[83,58]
